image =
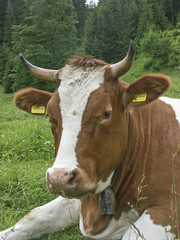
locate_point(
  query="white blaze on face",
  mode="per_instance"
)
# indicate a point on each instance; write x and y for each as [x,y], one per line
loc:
[76,86]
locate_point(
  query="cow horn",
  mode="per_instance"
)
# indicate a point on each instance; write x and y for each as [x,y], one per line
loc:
[120,68]
[41,73]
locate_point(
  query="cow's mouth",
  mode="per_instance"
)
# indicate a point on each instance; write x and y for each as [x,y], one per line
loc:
[68,193]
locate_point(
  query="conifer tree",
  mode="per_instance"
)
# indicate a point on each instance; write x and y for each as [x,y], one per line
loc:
[151,13]
[91,33]
[6,46]
[47,37]
[81,11]
[3,4]
[106,31]
[9,20]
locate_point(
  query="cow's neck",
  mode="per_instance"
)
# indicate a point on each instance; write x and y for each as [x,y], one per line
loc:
[127,178]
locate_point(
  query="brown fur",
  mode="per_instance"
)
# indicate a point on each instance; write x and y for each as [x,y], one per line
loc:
[26,98]
[152,141]
[85,62]
[152,84]
[55,118]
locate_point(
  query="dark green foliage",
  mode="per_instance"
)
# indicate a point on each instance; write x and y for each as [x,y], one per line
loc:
[91,28]
[48,32]
[171,9]
[3,4]
[47,37]
[111,25]
[105,34]
[159,49]
[151,13]
[80,9]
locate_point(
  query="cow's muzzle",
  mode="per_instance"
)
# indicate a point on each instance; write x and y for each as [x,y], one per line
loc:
[69,184]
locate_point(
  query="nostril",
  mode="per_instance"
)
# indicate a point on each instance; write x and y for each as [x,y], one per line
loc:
[72,176]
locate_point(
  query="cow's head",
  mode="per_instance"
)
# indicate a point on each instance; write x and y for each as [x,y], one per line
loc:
[88,114]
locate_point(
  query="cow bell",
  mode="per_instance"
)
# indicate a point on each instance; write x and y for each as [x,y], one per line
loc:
[107,202]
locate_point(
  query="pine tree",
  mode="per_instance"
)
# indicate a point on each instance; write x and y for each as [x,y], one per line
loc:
[81,9]
[151,13]
[6,46]
[9,20]
[134,12]
[90,31]
[171,9]
[3,4]
[12,15]
[47,37]
[106,30]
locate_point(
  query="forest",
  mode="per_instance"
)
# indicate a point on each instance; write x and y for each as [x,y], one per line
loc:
[48,32]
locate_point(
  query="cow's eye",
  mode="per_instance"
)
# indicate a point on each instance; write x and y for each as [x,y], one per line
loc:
[106,115]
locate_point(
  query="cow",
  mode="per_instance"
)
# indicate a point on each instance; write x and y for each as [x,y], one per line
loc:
[117,158]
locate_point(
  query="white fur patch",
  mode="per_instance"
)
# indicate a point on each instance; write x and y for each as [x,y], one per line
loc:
[76,86]
[132,227]
[145,229]
[116,228]
[102,185]
[174,103]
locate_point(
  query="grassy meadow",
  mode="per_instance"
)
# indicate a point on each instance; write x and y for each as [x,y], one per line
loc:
[27,150]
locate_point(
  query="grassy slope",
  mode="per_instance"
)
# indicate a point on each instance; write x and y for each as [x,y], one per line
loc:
[26,151]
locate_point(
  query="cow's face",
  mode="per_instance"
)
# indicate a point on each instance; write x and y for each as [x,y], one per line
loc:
[88,115]
[90,131]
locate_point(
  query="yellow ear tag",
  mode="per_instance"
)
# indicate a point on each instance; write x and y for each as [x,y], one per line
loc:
[140,97]
[38,109]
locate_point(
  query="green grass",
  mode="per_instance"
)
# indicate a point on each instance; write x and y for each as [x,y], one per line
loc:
[27,150]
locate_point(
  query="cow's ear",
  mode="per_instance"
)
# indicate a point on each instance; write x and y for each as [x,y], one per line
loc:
[145,90]
[32,100]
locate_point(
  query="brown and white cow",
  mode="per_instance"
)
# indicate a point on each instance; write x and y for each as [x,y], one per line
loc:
[117,163]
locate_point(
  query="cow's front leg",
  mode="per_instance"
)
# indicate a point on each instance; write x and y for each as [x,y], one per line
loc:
[51,217]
